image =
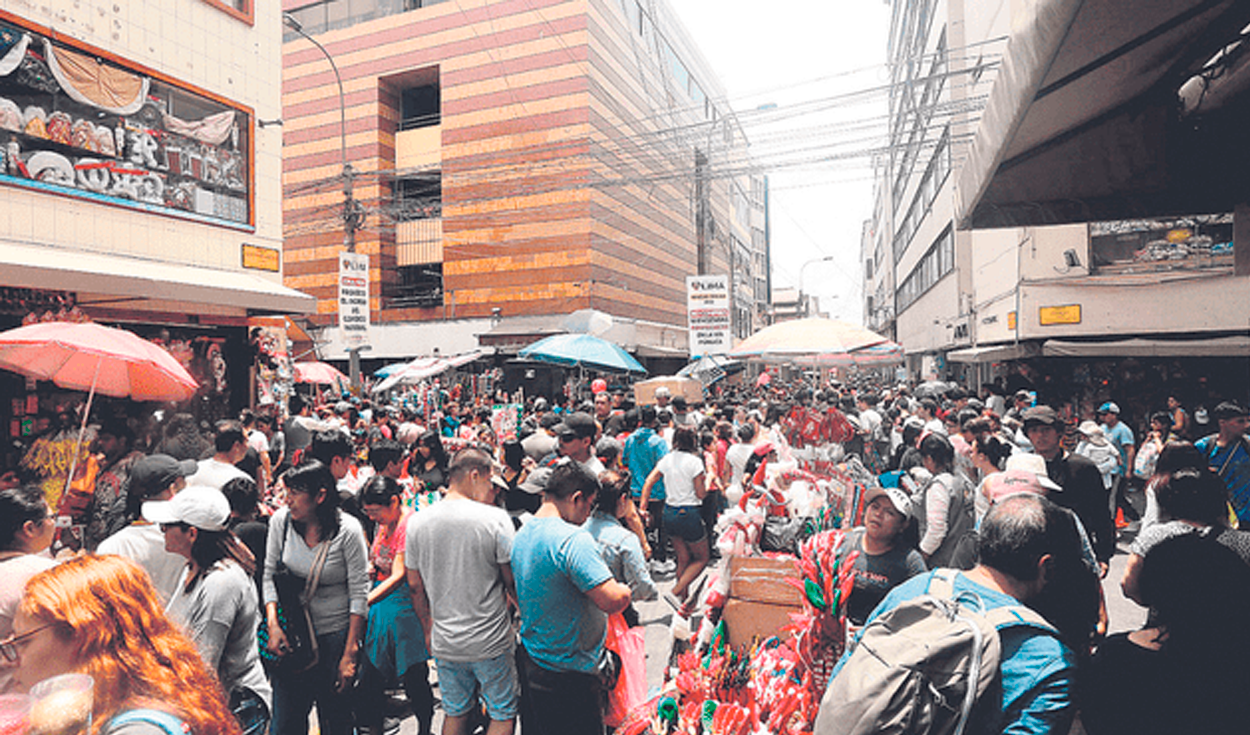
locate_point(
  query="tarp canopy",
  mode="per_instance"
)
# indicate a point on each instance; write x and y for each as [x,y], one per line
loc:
[1237,346]
[805,338]
[994,353]
[423,368]
[1087,119]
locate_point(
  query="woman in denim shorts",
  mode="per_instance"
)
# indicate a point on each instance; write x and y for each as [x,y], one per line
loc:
[685,486]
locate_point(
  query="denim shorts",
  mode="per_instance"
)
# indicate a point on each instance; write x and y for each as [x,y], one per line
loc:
[458,681]
[684,522]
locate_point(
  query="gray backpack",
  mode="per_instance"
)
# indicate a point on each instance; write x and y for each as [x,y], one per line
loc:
[921,667]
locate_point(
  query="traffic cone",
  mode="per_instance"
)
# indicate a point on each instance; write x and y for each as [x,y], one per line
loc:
[1120,522]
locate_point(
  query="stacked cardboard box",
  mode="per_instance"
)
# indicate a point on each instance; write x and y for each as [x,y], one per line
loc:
[760,598]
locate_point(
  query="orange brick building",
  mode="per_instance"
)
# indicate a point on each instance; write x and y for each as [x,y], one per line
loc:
[517,160]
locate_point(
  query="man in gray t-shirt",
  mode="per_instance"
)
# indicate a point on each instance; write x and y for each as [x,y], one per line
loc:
[458,553]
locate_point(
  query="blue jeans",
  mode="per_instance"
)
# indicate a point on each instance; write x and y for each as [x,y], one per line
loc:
[294,694]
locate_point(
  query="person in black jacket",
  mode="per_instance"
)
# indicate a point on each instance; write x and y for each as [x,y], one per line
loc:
[1082,490]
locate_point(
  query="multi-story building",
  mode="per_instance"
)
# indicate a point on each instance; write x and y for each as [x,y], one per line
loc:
[1047,215]
[516,161]
[137,185]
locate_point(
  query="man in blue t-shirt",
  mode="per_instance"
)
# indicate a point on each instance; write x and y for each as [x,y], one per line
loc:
[1228,454]
[565,592]
[1121,437]
[1024,540]
[642,452]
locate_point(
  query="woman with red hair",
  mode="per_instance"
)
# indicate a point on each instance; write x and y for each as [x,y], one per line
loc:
[99,615]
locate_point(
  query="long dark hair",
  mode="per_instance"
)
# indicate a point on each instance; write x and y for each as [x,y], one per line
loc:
[18,506]
[211,547]
[438,453]
[310,478]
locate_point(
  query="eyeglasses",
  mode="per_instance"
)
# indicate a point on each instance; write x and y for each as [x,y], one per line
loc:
[8,647]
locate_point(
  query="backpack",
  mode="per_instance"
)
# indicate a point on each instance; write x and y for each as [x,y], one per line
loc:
[910,671]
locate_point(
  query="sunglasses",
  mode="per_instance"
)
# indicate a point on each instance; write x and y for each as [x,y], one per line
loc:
[8,647]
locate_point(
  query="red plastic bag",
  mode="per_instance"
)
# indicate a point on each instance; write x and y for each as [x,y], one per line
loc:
[631,687]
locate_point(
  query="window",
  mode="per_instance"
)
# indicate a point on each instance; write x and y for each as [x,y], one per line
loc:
[241,9]
[420,286]
[930,185]
[419,107]
[936,263]
[419,197]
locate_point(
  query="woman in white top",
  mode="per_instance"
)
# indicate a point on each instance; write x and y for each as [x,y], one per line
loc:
[26,529]
[684,485]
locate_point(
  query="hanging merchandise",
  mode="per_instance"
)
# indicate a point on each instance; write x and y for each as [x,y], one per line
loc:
[768,686]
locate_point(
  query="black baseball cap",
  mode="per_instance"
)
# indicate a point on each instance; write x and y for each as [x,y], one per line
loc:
[154,473]
[578,424]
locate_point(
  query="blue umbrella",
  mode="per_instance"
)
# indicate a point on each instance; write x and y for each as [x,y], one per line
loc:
[582,350]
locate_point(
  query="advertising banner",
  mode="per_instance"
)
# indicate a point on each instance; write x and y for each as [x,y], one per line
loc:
[708,315]
[354,297]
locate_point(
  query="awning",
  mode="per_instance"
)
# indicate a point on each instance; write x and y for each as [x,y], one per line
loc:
[1237,346]
[994,353]
[26,266]
[1082,123]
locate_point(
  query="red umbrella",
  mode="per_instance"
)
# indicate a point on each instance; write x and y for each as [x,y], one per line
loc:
[319,373]
[94,358]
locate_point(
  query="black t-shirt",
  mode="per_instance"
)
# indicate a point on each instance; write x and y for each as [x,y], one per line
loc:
[1085,494]
[876,575]
[1127,691]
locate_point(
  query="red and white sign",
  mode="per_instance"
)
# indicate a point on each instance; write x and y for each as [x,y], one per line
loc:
[354,297]
[708,316]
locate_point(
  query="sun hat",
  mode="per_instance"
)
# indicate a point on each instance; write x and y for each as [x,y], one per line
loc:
[1093,432]
[1034,463]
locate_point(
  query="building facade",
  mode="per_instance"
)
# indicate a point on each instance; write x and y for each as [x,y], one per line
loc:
[136,186]
[1026,289]
[516,159]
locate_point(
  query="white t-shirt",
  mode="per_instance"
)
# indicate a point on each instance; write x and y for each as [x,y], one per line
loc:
[737,456]
[145,544]
[679,470]
[214,473]
[258,441]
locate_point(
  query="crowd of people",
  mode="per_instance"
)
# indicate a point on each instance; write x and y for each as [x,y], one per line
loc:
[326,555]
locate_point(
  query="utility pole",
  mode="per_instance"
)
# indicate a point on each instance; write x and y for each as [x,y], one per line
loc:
[353,215]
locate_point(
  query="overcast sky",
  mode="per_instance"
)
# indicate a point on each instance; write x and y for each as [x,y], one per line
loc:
[794,54]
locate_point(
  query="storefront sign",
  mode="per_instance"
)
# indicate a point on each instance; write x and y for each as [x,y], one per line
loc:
[354,297]
[1068,314]
[261,258]
[708,315]
[79,122]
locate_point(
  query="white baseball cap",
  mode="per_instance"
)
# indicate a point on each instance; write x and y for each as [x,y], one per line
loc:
[205,508]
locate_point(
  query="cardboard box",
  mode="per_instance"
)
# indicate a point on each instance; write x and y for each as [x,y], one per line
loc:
[762,579]
[644,392]
[747,621]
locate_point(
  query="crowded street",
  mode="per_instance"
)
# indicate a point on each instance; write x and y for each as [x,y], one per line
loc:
[624,367]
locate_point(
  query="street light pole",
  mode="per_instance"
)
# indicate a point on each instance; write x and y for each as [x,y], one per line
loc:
[351,210]
[351,214]
[802,270]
